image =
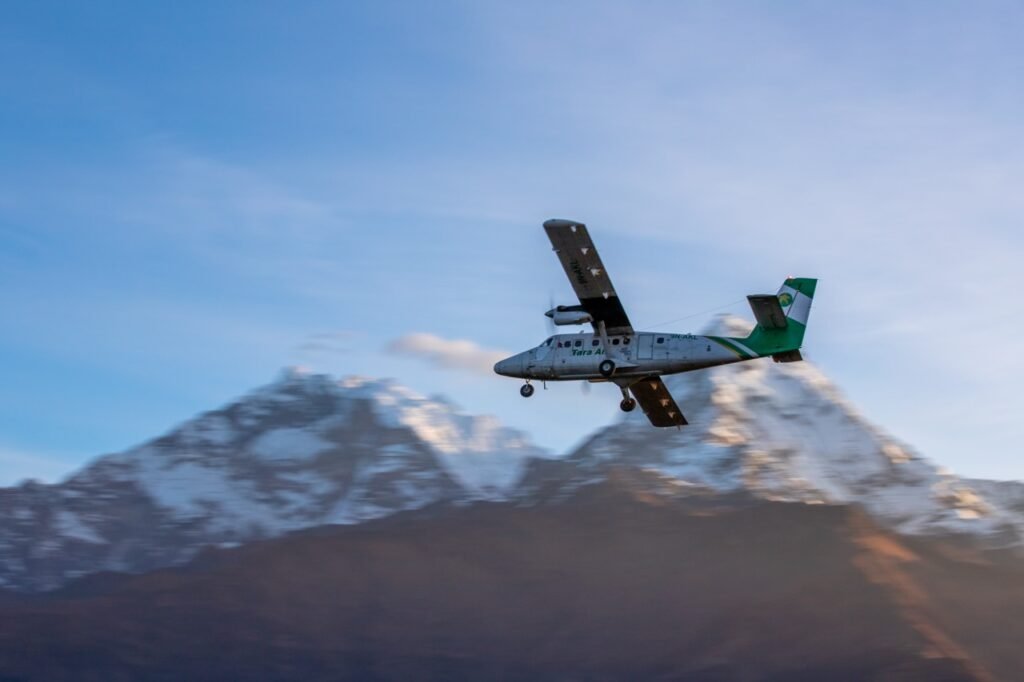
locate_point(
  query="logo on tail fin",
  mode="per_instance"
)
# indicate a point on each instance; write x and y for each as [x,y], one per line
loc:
[785,299]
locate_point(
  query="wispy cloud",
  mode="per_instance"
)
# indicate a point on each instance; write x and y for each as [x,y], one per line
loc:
[458,354]
[327,343]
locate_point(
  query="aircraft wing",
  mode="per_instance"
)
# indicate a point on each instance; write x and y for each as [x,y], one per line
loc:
[587,275]
[657,402]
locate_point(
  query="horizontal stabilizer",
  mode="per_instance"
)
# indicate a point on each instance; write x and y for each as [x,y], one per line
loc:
[768,311]
[788,356]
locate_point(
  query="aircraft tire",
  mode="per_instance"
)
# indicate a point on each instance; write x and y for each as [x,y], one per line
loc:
[606,368]
[526,390]
[627,405]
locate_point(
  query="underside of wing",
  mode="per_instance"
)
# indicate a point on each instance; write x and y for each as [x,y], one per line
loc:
[587,275]
[657,402]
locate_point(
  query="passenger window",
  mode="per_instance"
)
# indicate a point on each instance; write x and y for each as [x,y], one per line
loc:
[594,342]
[661,339]
[615,342]
[578,343]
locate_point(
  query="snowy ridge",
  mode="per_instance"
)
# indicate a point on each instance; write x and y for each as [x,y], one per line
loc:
[307,450]
[478,451]
[784,432]
[302,451]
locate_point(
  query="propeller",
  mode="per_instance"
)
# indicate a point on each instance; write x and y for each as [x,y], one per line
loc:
[552,330]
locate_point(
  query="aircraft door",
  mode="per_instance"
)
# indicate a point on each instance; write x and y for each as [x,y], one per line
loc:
[645,347]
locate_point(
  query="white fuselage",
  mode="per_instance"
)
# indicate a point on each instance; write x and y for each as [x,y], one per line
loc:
[577,356]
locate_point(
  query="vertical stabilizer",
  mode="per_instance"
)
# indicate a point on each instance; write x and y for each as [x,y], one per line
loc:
[795,297]
[783,343]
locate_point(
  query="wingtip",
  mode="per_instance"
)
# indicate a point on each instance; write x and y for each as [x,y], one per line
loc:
[556,223]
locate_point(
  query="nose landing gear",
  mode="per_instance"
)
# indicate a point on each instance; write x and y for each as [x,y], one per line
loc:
[526,390]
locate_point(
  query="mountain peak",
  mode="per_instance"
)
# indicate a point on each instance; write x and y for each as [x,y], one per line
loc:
[308,449]
[783,431]
[727,324]
[301,451]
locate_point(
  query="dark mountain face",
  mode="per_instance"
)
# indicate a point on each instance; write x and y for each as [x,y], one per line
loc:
[610,583]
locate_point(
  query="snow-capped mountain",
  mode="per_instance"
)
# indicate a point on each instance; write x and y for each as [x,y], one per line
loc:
[784,432]
[303,451]
[307,450]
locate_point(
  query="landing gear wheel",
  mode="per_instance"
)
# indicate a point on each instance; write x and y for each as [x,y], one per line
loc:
[627,405]
[606,368]
[526,391]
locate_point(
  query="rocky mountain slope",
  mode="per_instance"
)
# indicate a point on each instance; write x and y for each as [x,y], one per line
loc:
[612,583]
[307,450]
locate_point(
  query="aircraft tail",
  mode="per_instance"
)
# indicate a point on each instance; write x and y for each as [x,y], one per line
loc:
[782,320]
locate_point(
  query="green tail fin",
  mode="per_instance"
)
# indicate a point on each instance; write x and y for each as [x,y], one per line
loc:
[795,297]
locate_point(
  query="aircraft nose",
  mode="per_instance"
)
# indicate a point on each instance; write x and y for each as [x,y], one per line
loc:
[509,367]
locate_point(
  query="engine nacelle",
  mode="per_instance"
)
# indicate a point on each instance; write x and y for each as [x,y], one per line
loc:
[569,314]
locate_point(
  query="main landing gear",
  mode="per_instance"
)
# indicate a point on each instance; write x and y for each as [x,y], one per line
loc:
[526,390]
[606,368]
[627,404]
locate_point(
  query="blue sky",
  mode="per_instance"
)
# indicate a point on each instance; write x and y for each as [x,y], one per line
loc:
[194,195]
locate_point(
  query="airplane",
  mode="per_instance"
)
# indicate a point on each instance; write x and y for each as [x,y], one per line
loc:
[636,361]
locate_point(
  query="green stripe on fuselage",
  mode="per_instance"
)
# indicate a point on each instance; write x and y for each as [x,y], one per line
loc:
[727,344]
